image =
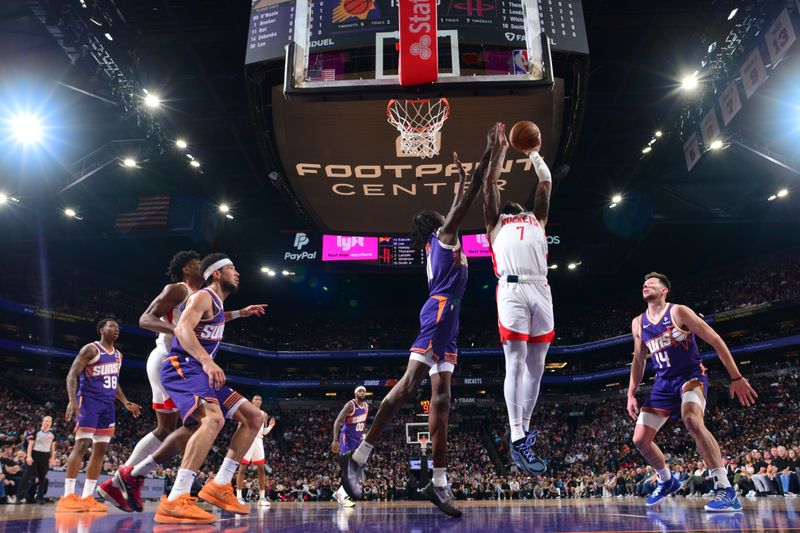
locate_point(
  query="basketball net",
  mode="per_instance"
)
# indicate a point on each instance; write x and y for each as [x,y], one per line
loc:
[423,442]
[418,122]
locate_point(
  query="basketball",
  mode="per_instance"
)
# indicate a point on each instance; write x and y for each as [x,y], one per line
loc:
[525,136]
[356,7]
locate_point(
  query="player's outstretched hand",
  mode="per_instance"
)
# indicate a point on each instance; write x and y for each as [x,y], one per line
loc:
[134,408]
[742,390]
[633,407]
[335,446]
[271,423]
[216,376]
[255,309]
[72,409]
[502,140]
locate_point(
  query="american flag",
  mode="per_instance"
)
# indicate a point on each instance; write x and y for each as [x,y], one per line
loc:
[325,74]
[151,212]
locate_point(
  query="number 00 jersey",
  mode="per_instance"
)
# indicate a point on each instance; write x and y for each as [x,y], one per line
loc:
[674,350]
[519,246]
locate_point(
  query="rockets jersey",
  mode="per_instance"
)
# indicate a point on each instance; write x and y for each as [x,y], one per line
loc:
[208,331]
[446,267]
[164,340]
[518,246]
[353,427]
[674,350]
[99,379]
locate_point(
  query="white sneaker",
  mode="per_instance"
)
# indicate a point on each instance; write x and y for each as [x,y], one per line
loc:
[263,502]
[347,502]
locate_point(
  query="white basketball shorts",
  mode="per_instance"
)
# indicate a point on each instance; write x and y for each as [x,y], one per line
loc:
[525,311]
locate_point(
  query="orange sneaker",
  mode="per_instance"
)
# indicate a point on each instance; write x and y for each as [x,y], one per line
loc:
[223,497]
[94,506]
[182,511]
[70,504]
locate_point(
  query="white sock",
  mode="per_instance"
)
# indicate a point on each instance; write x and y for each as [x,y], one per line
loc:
[361,455]
[144,467]
[720,478]
[516,353]
[226,471]
[340,493]
[262,494]
[88,487]
[532,379]
[183,483]
[147,446]
[239,493]
[439,477]
[664,474]
[69,486]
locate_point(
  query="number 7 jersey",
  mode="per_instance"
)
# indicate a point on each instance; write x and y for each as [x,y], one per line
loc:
[674,350]
[518,246]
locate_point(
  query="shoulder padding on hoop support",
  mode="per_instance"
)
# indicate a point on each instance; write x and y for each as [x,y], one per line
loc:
[419,49]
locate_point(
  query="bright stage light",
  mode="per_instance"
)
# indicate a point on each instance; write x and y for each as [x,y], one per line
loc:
[224,208]
[228,216]
[689,83]
[554,266]
[782,193]
[264,270]
[70,212]
[771,198]
[152,101]
[716,145]
[647,149]
[180,143]
[659,133]
[129,162]
[572,266]
[617,198]
[195,163]
[272,273]
[3,198]
[109,37]
[733,13]
[27,128]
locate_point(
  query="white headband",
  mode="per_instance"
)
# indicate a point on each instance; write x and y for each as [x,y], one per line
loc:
[360,387]
[216,266]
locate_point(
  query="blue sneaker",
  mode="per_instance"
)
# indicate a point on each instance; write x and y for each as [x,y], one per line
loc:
[525,459]
[725,501]
[663,490]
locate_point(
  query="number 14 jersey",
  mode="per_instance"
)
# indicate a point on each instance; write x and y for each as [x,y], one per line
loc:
[674,350]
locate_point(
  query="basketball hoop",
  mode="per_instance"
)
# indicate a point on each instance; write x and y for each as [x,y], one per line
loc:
[418,122]
[423,442]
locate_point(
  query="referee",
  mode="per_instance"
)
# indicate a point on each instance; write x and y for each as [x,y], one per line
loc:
[41,456]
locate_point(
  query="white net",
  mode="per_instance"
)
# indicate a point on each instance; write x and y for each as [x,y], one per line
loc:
[418,122]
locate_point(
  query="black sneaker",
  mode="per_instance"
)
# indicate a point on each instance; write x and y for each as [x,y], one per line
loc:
[441,497]
[524,458]
[351,476]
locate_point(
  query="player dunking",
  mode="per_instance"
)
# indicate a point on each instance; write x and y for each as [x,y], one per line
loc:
[196,384]
[434,352]
[348,432]
[161,317]
[92,386]
[524,303]
[667,332]
[255,456]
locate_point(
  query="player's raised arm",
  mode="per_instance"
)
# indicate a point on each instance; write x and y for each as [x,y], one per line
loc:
[463,200]
[198,304]
[491,192]
[541,202]
[171,296]
[83,358]
[740,388]
[637,367]
[348,409]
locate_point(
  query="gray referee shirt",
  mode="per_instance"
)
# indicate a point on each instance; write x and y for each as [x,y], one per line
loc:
[43,441]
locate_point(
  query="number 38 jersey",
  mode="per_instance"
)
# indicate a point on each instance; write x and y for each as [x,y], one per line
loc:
[519,246]
[99,379]
[674,350]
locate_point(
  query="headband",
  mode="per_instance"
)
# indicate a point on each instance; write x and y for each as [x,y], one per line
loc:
[360,387]
[216,266]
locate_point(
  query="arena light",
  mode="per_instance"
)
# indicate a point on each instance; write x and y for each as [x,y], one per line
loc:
[733,13]
[152,101]
[272,273]
[71,213]
[108,36]
[27,128]
[689,83]
[647,149]
[554,266]
[224,208]
[330,394]
[129,162]
[617,198]
[716,144]
[180,143]
[228,216]
[264,270]
[659,133]
[286,273]
[612,205]
[195,163]
[3,198]
[772,198]
[783,193]
[572,266]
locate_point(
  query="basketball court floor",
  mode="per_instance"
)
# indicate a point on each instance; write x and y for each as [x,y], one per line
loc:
[551,516]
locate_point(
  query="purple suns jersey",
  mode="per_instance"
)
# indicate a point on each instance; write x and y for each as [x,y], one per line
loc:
[446,266]
[353,426]
[208,331]
[99,379]
[674,350]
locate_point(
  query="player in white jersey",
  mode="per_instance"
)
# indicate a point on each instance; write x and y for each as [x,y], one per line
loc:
[524,303]
[255,456]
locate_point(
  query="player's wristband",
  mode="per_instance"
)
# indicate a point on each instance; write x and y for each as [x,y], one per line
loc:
[235,314]
[737,379]
[540,167]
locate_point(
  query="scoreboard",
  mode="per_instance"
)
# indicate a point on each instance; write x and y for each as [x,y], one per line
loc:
[397,251]
[344,24]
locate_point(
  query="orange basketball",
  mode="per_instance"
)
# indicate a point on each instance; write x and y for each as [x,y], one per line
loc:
[525,136]
[356,7]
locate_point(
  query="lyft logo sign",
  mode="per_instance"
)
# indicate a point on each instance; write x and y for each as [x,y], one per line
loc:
[346,243]
[347,248]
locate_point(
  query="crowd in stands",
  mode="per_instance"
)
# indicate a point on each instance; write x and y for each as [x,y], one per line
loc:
[587,445]
[770,280]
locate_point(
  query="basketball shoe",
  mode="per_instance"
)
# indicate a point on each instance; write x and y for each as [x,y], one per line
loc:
[663,489]
[523,456]
[114,495]
[130,486]
[93,506]
[223,497]
[725,501]
[182,510]
[71,503]
[351,475]
[441,497]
